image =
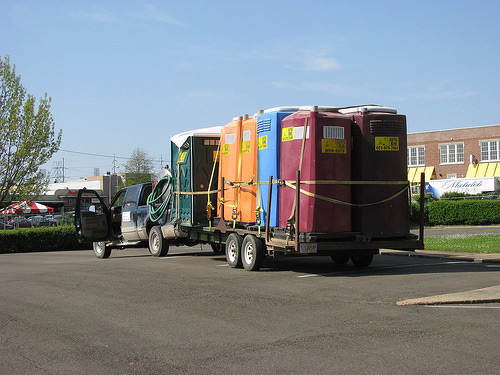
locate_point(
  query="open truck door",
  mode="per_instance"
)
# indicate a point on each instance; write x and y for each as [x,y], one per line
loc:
[92,220]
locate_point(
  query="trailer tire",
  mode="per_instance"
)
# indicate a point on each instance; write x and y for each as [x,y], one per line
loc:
[340,259]
[362,260]
[233,250]
[158,246]
[218,248]
[252,253]
[101,250]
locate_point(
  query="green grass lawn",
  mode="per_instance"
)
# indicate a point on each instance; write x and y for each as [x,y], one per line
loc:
[483,243]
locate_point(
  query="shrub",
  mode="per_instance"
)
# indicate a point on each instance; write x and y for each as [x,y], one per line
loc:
[39,239]
[464,212]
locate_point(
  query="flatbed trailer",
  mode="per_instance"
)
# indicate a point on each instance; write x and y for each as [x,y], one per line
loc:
[243,246]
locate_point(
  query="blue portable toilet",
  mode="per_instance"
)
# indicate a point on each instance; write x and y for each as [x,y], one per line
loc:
[268,156]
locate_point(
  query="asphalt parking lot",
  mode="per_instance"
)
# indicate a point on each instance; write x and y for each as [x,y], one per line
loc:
[189,313]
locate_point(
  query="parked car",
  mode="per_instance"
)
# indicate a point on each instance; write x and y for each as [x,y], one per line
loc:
[48,222]
[35,220]
[4,225]
[19,222]
[58,219]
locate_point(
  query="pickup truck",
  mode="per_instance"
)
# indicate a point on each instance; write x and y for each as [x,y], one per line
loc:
[124,223]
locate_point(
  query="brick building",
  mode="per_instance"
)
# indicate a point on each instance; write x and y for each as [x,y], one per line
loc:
[454,153]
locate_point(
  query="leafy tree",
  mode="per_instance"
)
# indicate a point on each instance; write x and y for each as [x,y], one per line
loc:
[28,138]
[138,168]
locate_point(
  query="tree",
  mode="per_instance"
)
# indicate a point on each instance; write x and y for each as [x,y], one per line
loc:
[139,167]
[28,138]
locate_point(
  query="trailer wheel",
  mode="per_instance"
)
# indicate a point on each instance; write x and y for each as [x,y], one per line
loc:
[217,248]
[101,250]
[158,246]
[340,259]
[252,253]
[362,260]
[233,250]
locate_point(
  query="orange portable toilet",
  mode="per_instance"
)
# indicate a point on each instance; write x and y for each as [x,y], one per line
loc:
[228,168]
[248,171]
[238,168]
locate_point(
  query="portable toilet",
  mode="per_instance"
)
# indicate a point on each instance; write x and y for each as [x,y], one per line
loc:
[194,159]
[237,170]
[268,156]
[379,155]
[324,150]
[248,171]
[228,169]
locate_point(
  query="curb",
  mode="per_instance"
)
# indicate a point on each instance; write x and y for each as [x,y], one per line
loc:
[466,257]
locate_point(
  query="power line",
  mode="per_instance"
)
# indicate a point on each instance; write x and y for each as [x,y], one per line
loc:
[105,156]
[90,154]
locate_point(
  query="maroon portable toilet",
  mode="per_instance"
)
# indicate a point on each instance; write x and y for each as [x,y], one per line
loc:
[326,157]
[379,154]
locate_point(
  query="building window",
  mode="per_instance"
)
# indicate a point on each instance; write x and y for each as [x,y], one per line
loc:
[416,156]
[451,153]
[490,150]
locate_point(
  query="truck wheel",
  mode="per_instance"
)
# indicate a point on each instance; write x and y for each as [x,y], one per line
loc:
[362,260]
[340,259]
[233,250]
[218,248]
[158,246]
[101,250]
[252,253]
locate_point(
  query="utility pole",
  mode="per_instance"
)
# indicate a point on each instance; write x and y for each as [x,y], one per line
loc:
[114,164]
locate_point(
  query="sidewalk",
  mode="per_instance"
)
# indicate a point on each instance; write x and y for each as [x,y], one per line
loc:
[484,295]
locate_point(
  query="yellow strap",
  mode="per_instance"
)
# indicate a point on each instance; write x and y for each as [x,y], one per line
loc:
[210,207]
[339,182]
[331,200]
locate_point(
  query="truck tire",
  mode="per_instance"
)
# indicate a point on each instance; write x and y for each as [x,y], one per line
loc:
[233,250]
[252,253]
[158,246]
[101,250]
[362,260]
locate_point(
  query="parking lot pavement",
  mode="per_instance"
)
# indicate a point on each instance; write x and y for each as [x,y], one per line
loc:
[189,313]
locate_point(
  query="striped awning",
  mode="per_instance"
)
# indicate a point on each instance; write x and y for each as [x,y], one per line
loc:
[483,170]
[414,174]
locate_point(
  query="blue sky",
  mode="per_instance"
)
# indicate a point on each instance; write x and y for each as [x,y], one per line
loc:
[126,74]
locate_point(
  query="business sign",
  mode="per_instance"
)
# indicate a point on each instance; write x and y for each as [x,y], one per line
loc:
[472,186]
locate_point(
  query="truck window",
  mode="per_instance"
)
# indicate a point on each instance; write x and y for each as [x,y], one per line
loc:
[118,199]
[131,195]
[144,195]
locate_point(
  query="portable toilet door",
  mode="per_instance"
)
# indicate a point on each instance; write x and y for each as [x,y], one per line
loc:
[268,156]
[228,169]
[181,171]
[247,169]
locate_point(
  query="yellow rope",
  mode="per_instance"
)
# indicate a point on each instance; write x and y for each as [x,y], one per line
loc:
[331,200]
